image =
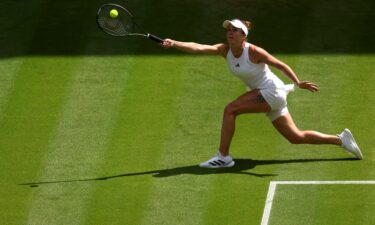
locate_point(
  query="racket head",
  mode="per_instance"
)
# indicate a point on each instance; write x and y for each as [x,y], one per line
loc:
[120,25]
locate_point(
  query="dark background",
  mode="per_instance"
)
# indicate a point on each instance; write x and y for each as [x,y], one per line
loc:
[68,27]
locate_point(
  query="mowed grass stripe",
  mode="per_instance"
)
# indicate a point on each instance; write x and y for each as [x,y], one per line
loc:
[179,193]
[30,116]
[143,124]
[8,70]
[79,142]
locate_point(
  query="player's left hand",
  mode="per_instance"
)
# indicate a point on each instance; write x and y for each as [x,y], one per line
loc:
[308,86]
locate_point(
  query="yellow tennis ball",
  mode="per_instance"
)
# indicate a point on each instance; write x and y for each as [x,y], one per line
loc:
[113,13]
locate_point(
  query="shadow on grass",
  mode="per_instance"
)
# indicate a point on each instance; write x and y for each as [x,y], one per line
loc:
[242,166]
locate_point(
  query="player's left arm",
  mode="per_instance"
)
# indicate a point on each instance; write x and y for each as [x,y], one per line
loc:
[262,56]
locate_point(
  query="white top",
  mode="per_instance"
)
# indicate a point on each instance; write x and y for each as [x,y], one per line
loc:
[255,76]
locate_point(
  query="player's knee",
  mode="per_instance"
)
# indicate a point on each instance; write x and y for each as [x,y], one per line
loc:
[230,109]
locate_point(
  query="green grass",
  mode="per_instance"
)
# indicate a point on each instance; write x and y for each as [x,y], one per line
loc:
[110,131]
[323,204]
[144,130]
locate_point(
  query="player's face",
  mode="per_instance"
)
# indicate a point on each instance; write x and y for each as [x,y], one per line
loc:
[235,35]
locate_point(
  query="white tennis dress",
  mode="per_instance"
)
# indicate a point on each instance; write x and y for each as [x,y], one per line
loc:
[259,76]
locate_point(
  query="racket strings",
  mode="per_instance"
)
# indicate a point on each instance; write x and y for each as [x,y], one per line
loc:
[118,26]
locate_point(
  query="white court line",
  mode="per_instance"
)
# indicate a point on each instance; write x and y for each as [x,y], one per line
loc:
[273,185]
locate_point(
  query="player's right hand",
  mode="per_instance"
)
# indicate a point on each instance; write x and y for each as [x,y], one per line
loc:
[168,43]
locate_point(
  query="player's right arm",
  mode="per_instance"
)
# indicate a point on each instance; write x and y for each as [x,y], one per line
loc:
[191,47]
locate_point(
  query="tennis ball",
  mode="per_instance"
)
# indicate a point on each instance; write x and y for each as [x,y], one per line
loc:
[113,13]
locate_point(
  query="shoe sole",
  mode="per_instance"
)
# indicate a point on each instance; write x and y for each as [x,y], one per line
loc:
[230,164]
[214,167]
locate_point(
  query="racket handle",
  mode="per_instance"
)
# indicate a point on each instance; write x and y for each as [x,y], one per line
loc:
[154,38]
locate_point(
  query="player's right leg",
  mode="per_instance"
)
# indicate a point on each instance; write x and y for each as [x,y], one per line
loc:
[250,102]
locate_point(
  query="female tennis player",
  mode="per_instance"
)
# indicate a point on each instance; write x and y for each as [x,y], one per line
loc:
[268,93]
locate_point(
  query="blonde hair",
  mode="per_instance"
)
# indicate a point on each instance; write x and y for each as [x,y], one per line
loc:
[248,24]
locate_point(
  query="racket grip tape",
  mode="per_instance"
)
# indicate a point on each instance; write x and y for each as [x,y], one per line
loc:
[154,38]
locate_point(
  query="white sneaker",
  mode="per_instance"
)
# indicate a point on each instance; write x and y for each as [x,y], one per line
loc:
[218,161]
[349,144]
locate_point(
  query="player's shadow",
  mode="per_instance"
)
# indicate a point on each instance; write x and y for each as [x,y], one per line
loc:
[242,166]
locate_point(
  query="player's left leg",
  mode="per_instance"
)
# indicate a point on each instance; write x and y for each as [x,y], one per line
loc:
[286,126]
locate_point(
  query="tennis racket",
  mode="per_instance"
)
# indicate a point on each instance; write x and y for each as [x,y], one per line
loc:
[115,20]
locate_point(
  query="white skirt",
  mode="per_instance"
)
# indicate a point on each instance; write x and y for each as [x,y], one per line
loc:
[277,99]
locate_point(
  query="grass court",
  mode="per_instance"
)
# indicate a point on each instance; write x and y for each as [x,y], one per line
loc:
[102,130]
